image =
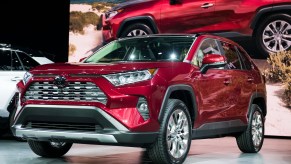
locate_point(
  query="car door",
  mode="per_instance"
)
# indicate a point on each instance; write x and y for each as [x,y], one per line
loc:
[248,82]
[241,84]
[187,16]
[235,15]
[212,87]
[11,71]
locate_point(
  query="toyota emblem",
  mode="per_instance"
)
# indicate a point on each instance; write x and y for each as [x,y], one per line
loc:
[60,81]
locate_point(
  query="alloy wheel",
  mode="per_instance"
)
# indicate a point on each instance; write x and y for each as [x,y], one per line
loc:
[57,144]
[177,134]
[137,32]
[277,36]
[257,129]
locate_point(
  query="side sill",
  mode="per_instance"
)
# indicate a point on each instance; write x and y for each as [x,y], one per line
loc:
[210,130]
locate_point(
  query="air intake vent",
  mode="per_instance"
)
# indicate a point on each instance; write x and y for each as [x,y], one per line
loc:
[63,126]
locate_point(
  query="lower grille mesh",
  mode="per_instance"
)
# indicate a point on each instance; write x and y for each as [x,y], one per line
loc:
[63,126]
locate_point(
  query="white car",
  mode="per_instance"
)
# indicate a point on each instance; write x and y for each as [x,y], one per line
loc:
[13,65]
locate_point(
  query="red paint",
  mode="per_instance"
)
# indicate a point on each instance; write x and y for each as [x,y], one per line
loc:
[189,17]
[213,58]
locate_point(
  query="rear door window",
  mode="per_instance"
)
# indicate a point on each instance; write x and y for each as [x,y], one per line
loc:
[247,64]
[5,62]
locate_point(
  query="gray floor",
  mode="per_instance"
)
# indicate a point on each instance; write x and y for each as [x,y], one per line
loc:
[207,151]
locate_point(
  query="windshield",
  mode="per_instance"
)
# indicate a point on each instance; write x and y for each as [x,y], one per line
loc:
[165,48]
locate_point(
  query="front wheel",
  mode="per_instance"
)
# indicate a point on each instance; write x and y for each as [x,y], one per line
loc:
[138,29]
[273,34]
[251,140]
[174,139]
[49,149]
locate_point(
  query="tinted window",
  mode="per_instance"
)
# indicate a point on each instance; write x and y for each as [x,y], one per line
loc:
[5,62]
[233,61]
[27,61]
[246,62]
[16,64]
[208,46]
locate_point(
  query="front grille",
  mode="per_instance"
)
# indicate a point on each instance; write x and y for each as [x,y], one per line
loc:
[73,91]
[63,126]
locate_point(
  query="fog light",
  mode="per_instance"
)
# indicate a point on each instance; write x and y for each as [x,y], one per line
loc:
[142,107]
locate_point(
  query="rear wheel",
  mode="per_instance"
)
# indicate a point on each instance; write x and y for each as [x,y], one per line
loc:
[251,141]
[174,139]
[49,149]
[274,34]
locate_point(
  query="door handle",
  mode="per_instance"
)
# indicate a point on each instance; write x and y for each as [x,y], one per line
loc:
[16,78]
[227,81]
[207,5]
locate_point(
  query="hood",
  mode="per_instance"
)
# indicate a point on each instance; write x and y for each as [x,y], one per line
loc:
[99,68]
[129,3]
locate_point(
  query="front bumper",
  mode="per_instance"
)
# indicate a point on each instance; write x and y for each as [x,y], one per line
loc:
[80,124]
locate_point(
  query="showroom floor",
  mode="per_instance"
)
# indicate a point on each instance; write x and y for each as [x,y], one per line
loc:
[207,151]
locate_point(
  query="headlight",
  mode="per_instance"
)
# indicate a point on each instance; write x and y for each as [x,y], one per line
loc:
[110,14]
[130,77]
[27,76]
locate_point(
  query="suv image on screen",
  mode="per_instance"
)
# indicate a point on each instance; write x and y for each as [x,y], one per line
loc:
[267,21]
[157,92]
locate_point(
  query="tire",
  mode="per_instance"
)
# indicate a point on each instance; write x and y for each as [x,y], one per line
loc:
[138,29]
[49,149]
[162,151]
[4,127]
[251,140]
[273,37]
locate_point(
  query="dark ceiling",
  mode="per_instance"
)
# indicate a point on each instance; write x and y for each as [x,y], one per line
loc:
[37,24]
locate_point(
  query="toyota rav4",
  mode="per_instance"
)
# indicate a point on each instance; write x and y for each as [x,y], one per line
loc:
[268,21]
[157,92]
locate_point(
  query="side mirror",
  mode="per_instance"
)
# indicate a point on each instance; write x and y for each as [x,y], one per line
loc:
[212,61]
[82,59]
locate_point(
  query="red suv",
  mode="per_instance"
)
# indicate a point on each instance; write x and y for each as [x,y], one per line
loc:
[268,21]
[157,92]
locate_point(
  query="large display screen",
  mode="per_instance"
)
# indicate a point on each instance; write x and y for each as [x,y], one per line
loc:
[85,37]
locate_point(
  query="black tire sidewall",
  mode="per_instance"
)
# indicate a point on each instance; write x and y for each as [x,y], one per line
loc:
[260,28]
[255,108]
[176,105]
[136,26]
[45,149]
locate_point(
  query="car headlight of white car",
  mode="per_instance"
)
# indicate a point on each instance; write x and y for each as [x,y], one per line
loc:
[27,76]
[130,77]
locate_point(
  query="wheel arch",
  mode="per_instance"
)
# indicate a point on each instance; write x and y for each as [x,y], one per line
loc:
[184,93]
[267,11]
[260,100]
[148,20]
